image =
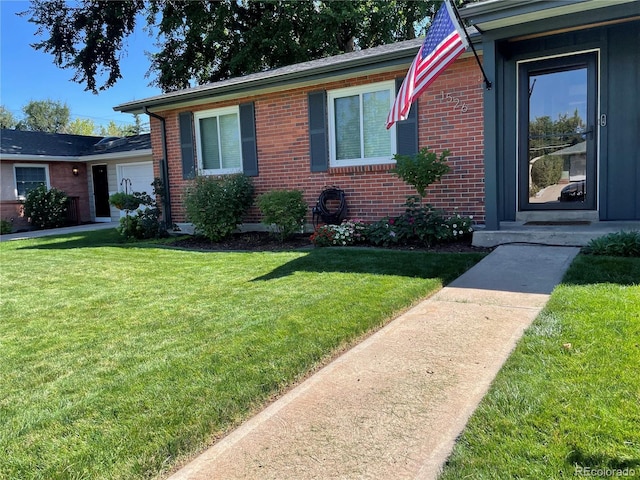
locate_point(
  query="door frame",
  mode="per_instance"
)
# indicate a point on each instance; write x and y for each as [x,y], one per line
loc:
[100,219]
[591,58]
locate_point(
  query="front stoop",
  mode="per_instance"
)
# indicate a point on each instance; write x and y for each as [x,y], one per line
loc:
[577,235]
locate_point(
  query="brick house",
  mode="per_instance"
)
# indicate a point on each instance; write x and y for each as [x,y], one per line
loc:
[293,128]
[87,168]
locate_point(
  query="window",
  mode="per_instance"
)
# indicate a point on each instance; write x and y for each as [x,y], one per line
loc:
[30,177]
[357,131]
[218,141]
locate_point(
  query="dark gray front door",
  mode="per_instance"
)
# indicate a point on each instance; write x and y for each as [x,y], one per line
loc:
[557,133]
[101,190]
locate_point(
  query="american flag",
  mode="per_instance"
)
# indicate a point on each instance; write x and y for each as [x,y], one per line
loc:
[445,41]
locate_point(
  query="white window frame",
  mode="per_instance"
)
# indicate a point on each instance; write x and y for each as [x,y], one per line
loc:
[217,112]
[332,95]
[29,165]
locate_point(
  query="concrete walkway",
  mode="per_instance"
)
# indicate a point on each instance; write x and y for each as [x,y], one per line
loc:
[392,406]
[58,231]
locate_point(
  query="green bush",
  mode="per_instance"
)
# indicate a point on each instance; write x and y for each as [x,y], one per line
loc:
[459,228]
[6,227]
[283,211]
[547,171]
[144,224]
[422,169]
[46,208]
[419,225]
[618,244]
[216,205]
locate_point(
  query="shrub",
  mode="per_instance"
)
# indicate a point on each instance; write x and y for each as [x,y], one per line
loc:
[419,224]
[383,232]
[618,244]
[284,211]
[144,224]
[216,205]
[422,169]
[547,171]
[6,227]
[46,208]
[459,228]
[349,232]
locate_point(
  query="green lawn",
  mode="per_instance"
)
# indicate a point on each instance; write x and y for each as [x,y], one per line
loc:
[567,402]
[117,360]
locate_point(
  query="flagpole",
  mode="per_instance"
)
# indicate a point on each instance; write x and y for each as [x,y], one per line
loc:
[455,10]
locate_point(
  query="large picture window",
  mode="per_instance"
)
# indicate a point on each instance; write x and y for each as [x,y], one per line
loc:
[218,141]
[30,177]
[357,118]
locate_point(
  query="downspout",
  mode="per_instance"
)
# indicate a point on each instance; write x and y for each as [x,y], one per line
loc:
[164,170]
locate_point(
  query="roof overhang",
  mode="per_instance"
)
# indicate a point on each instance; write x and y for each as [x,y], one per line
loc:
[18,157]
[382,59]
[492,15]
[386,58]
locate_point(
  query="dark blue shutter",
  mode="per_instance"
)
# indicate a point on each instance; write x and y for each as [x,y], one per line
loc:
[407,130]
[248,137]
[186,145]
[318,134]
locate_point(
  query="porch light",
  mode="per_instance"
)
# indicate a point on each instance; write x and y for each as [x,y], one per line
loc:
[75,170]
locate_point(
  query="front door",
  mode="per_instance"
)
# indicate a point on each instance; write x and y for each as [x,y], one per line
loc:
[557,133]
[101,191]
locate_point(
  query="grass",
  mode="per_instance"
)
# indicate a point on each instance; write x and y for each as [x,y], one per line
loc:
[567,402]
[119,360]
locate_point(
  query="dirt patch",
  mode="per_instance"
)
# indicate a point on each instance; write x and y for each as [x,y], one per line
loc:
[263,241]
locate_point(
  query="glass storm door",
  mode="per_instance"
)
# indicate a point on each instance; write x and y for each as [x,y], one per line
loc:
[557,133]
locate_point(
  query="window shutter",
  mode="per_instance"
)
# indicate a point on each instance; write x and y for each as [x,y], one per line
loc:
[186,145]
[248,140]
[407,130]
[319,147]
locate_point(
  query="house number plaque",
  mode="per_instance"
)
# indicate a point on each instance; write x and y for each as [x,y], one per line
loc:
[457,103]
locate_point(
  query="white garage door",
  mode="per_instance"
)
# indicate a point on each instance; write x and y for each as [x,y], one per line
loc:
[136,177]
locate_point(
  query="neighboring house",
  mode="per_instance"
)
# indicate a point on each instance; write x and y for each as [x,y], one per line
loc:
[322,123]
[566,85]
[88,169]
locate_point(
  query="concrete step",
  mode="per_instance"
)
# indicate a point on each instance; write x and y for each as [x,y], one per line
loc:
[577,234]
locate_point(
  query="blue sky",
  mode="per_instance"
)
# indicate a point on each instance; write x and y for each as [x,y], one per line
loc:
[27,74]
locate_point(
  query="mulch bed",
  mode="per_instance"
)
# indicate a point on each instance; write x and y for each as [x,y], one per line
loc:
[263,241]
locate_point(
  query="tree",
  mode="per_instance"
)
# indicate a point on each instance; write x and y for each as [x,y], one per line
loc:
[113,130]
[7,120]
[204,41]
[81,126]
[45,116]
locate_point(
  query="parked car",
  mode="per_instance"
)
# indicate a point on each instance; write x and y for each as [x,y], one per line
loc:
[574,192]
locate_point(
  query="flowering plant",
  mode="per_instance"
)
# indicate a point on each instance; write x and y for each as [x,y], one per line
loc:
[46,208]
[459,227]
[349,232]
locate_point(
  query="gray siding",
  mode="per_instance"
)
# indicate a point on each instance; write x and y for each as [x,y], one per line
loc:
[620,164]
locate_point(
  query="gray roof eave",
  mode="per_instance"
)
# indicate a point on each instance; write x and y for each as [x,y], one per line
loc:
[378,58]
[494,14]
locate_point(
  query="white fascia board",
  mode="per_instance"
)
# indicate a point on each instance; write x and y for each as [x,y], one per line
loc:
[17,157]
[117,156]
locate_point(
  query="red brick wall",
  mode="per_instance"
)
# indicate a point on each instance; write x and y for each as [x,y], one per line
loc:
[372,193]
[62,178]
